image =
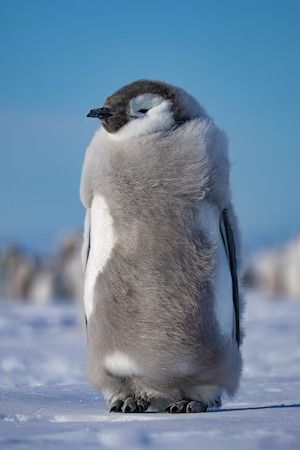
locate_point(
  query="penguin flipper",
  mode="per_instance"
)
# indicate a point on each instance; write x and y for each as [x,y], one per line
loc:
[230,247]
[86,245]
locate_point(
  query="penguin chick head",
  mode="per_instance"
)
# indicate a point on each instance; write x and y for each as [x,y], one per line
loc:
[145,107]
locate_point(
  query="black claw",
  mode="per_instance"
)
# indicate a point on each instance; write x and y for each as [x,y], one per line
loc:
[113,409]
[129,409]
[142,407]
[196,407]
[129,405]
[186,406]
[177,407]
[116,406]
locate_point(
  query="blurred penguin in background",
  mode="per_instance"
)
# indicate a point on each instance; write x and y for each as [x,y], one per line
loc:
[161,254]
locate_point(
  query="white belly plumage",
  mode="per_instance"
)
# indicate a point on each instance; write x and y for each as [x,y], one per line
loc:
[102,242]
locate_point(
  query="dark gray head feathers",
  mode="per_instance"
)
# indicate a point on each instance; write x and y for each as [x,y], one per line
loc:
[184,106]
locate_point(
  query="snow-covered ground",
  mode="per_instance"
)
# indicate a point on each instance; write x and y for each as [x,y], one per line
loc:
[46,403]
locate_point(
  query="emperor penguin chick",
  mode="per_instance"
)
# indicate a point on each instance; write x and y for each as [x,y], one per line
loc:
[161,254]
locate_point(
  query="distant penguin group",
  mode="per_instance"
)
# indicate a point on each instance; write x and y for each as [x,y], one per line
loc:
[161,254]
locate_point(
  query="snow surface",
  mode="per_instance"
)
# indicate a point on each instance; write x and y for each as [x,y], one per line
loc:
[46,403]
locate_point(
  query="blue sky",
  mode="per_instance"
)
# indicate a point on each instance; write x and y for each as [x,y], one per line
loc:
[60,58]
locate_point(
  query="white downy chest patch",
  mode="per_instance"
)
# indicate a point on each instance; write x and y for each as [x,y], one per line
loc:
[208,221]
[121,364]
[102,242]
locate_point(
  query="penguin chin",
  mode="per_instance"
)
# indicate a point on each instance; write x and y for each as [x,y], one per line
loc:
[114,123]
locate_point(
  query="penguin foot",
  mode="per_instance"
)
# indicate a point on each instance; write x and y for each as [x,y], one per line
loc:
[129,405]
[186,406]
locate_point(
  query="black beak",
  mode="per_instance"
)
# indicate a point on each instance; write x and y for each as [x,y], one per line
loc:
[100,113]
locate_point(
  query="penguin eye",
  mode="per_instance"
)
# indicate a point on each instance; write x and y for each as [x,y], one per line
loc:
[143,111]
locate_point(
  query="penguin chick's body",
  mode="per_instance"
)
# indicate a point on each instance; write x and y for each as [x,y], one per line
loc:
[161,312]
